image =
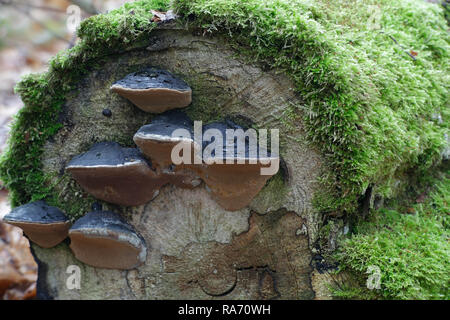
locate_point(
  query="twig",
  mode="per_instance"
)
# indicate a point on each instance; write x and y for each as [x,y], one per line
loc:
[396,42]
[406,50]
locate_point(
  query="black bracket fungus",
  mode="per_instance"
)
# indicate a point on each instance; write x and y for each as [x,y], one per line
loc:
[232,169]
[116,175]
[158,139]
[104,239]
[45,225]
[233,181]
[154,90]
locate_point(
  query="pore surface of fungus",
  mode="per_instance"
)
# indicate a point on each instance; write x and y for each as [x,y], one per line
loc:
[104,239]
[45,225]
[154,90]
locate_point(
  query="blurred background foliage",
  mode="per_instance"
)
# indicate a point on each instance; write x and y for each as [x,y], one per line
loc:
[31,32]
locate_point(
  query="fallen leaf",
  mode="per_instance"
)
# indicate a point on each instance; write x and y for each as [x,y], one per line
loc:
[159,16]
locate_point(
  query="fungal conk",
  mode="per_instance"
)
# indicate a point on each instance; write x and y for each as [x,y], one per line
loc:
[115,174]
[232,169]
[168,134]
[103,239]
[45,225]
[154,90]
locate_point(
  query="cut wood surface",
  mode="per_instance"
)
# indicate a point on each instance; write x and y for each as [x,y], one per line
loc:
[196,249]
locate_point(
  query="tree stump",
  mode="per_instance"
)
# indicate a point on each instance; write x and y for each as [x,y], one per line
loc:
[196,249]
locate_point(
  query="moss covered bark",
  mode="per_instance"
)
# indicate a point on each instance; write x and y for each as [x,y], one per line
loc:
[408,242]
[371,105]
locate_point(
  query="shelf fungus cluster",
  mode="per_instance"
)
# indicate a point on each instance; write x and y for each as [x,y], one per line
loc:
[232,178]
[100,238]
[168,152]
[45,225]
[132,177]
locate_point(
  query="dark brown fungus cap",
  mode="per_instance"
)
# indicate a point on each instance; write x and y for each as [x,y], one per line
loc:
[104,239]
[45,225]
[154,90]
[233,185]
[116,175]
[157,139]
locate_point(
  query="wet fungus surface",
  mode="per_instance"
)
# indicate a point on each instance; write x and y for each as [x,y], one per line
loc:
[115,174]
[154,90]
[104,239]
[230,167]
[45,225]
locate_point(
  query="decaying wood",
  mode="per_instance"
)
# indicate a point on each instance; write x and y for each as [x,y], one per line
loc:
[196,249]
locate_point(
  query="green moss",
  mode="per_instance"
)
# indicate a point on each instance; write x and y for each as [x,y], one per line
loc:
[368,105]
[20,164]
[327,230]
[409,243]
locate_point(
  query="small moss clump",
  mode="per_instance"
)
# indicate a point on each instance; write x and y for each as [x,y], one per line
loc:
[410,246]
